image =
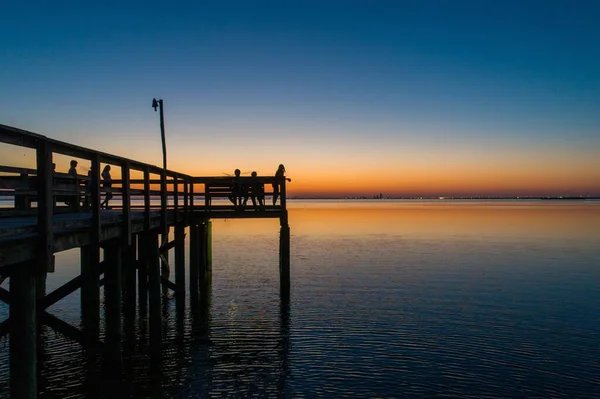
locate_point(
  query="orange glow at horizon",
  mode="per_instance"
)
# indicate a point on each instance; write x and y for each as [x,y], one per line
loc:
[401,171]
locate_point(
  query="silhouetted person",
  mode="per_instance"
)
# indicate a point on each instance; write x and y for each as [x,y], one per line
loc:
[236,189]
[73,201]
[279,176]
[257,191]
[107,183]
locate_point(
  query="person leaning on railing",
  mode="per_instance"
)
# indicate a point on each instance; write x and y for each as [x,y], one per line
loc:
[279,176]
[107,183]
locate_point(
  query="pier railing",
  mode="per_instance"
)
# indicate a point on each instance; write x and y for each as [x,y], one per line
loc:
[43,190]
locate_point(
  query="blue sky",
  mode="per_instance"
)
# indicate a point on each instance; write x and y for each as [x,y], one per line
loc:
[350,83]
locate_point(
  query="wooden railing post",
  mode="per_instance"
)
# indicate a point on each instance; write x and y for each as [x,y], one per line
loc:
[191,210]
[126,200]
[163,201]
[176,197]
[283,194]
[186,209]
[146,198]
[45,210]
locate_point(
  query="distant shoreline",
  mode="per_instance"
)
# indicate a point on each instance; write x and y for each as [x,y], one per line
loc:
[559,198]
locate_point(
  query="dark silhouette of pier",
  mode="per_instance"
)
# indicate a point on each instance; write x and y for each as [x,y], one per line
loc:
[49,212]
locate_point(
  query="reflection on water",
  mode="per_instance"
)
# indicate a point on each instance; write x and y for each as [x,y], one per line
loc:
[389,299]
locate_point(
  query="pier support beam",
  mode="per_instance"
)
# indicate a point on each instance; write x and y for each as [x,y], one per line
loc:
[113,254]
[90,290]
[284,261]
[130,270]
[165,269]
[180,265]
[23,332]
[153,261]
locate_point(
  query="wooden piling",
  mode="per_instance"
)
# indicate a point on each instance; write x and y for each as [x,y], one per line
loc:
[152,251]
[112,289]
[23,333]
[130,266]
[90,289]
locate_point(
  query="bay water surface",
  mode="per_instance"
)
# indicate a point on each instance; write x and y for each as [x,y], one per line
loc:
[389,299]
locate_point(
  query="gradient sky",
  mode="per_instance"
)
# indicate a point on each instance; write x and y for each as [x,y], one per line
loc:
[354,97]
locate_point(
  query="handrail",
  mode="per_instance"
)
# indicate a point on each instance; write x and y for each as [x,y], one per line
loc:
[156,190]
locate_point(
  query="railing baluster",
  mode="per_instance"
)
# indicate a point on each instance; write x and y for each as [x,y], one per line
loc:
[163,201]
[186,182]
[126,200]
[176,197]
[146,198]
[45,202]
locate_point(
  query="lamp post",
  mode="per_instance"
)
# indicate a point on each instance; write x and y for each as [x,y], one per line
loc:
[159,104]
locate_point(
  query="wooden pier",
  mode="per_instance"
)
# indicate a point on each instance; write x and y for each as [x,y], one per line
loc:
[148,203]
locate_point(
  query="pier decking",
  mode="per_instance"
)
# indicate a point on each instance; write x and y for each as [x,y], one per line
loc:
[44,212]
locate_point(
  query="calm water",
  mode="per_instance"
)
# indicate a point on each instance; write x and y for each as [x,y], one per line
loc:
[389,299]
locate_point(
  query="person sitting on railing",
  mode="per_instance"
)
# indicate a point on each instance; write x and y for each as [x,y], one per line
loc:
[236,189]
[279,176]
[107,184]
[257,192]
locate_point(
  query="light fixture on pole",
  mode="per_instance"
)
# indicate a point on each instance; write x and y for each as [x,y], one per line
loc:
[159,104]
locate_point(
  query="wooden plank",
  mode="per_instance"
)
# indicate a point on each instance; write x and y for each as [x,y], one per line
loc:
[168,246]
[69,331]
[16,169]
[66,289]
[18,182]
[19,137]
[169,284]
[4,296]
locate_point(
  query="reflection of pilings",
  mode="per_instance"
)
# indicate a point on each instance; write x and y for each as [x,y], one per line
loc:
[284,260]
[205,245]
[200,259]
[284,332]
[143,274]
[180,265]
[23,345]
[194,264]
[40,293]
[152,251]
[90,290]
[112,290]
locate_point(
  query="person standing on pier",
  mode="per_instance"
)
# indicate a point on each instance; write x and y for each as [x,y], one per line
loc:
[73,201]
[108,184]
[257,192]
[279,176]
